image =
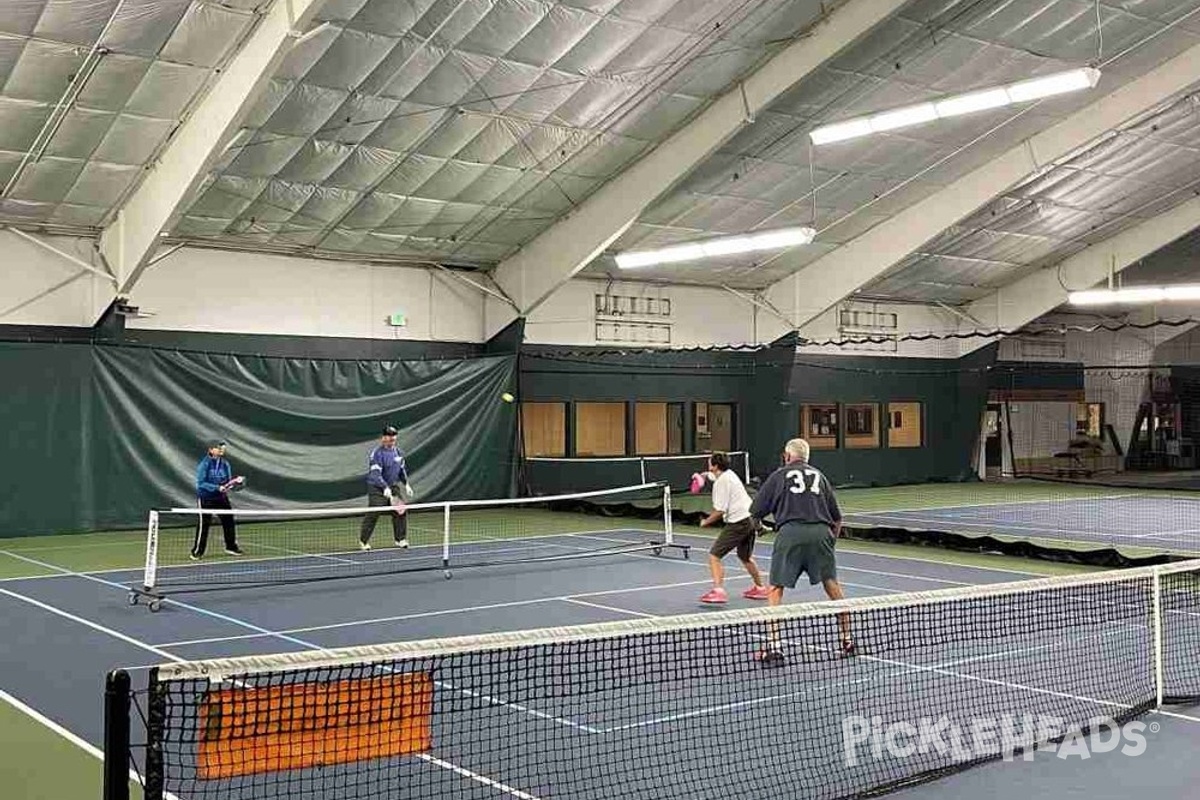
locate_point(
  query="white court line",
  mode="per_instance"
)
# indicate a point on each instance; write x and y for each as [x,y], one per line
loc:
[998,528]
[441,612]
[475,776]
[998,503]
[940,670]
[849,549]
[243,623]
[809,689]
[73,738]
[96,626]
[603,607]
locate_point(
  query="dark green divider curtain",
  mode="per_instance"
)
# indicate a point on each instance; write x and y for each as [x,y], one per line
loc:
[98,435]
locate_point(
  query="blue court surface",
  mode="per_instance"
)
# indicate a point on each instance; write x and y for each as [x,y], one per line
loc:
[64,632]
[1166,524]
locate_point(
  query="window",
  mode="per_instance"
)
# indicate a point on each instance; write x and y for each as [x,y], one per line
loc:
[714,426]
[862,425]
[819,425]
[600,429]
[904,425]
[650,429]
[544,429]
[658,429]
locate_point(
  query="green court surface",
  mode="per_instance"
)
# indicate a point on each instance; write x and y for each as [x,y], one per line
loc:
[44,765]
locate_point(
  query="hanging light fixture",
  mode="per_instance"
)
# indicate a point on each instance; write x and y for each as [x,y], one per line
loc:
[1139,295]
[957,105]
[719,246]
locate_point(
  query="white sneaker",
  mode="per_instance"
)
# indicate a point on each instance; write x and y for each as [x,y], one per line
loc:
[401,543]
[364,545]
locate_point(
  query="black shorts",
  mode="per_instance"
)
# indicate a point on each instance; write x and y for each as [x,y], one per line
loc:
[738,535]
[803,548]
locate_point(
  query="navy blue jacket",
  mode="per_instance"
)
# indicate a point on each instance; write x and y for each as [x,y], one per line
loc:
[385,467]
[210,474]
[797,492]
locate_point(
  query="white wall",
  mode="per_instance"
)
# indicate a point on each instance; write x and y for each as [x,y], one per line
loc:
[910,318]
[699,315]
[217,291]
[41,288]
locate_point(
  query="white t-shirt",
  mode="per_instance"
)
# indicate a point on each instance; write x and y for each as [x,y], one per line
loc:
[730,497]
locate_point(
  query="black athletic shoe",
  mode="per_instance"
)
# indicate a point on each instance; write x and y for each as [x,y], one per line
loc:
[234,551]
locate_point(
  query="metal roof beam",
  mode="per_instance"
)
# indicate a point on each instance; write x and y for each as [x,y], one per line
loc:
[1028,298]
[534,272]
[128,242]
[838,274]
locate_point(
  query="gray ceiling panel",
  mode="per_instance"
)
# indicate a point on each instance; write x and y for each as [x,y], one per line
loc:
[132,139]
[81,133]
[43,72]
[205,35]
[460,129]
[49,180]
[165,90]
[143,27]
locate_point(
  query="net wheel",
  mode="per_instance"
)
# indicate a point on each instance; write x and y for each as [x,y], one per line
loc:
[133,598]
[448,574]
[154,605]
[657,551]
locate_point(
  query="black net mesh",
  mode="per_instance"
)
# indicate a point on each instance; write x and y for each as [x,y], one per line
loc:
[681,707]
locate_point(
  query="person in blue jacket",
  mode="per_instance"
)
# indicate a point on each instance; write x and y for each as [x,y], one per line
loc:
[387,477]
[214,482]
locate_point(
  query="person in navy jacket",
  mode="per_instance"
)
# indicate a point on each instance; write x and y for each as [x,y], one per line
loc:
[214,482]
[387,477]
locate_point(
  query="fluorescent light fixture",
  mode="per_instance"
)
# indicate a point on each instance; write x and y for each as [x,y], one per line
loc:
[956,105]
[1135,294]
[713,248]
[904,117]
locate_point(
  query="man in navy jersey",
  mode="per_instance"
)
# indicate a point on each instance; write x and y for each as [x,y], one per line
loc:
[214,482]
[387,477]
[807,523]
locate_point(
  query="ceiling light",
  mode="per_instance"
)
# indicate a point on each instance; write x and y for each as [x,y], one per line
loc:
[713,248]
[956,105]
[1134,294]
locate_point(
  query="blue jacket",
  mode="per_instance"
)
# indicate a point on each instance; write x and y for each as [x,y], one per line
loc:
[385,467]
[210,474]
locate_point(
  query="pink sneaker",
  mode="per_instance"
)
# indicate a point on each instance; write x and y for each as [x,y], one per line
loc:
[757,593]
[716,596]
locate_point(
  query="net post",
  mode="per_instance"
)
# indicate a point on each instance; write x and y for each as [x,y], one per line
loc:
[446,536]
[117,744]
[667,530]
[1158,638]
[154,785]
[747,475]
[151,574]
[642,468]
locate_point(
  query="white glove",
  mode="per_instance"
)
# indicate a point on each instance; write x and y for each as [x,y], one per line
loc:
[387,492]
[408,491]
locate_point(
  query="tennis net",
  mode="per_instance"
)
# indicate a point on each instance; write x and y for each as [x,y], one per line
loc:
[546,475]
[679,707]
[301,545]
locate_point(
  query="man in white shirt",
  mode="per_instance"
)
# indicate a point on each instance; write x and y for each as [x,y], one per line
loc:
[731,503]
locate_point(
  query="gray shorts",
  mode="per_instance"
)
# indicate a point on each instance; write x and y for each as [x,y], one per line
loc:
[800,548]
